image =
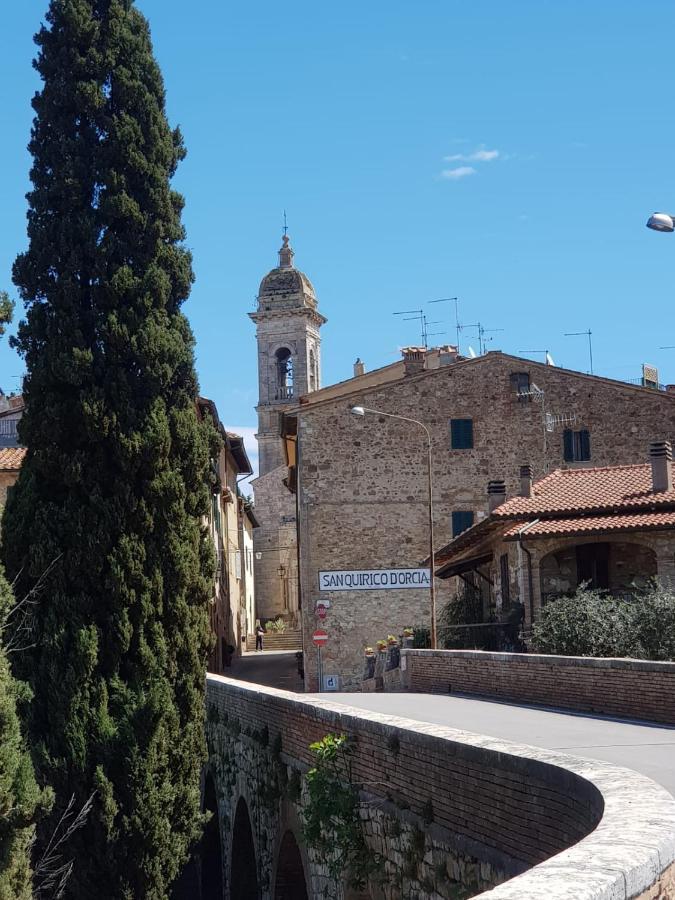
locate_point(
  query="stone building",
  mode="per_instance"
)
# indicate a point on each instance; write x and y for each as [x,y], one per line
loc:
[11,460]
[228,612]
[362,482]
[247,523]
[289,365]
[612,528]
[11,411]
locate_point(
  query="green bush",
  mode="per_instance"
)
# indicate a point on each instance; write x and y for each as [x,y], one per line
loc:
[592,623]
[275,626]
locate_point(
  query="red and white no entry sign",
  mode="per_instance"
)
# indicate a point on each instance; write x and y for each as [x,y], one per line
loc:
[320,637]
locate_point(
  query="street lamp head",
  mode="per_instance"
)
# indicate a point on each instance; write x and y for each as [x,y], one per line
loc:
[357,411]
[661,222]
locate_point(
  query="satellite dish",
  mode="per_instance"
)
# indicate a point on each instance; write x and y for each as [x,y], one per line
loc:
[472,353]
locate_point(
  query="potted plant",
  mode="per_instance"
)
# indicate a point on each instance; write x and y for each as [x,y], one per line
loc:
[408,637]
[370,662]
[381,646]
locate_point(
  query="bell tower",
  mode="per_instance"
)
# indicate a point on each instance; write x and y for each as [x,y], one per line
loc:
[288,325]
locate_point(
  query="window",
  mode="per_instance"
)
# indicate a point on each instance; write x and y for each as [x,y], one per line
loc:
[461,434]
[576,445]
[520,384]
[284,374]
[504,579]
[461,520]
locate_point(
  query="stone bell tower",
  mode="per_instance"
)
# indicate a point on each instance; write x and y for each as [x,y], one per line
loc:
[289,365]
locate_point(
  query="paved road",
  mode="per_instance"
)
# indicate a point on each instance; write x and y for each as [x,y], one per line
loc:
[273,668]
[649,749]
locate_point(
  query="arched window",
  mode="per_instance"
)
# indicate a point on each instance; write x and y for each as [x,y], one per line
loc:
[284,374]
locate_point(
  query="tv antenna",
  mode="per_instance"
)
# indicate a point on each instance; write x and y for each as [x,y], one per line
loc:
[418,316]
[285,224]
[481,335]
[454,300]
[589,334]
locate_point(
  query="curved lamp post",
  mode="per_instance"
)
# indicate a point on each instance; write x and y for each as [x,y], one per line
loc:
[361,411]
[661,222]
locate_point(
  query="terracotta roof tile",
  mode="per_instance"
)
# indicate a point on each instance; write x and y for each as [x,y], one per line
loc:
[593,524]
[581,490]
[11,458]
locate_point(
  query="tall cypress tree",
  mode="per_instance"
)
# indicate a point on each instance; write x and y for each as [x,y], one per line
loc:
[107,510]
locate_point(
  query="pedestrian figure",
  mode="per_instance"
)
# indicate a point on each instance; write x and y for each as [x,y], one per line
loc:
[259,632]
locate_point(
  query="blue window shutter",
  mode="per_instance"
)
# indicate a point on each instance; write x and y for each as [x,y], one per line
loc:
[585,444]
[568,445]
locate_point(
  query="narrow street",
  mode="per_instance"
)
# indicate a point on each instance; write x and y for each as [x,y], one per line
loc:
[273,668]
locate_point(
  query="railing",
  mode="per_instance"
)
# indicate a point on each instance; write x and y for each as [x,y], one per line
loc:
[8,428]
[284,393]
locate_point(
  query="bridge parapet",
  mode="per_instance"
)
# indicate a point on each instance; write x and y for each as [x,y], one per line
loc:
[497,818]
[631,688]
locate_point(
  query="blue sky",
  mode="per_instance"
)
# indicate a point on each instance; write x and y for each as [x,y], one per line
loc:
[506,153]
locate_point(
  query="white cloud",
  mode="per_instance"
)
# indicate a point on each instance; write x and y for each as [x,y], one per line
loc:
[459,172]
[479,155]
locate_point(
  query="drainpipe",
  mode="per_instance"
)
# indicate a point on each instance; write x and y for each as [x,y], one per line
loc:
[521,577]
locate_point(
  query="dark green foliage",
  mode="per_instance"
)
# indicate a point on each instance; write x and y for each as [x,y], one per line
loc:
[591,623]
[20,799]
[428,812]
[331,819]
[6,311]
[117,474]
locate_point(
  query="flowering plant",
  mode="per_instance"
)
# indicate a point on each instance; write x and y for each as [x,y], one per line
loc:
[408,632]
[369,651]
[391,639]
[381,646]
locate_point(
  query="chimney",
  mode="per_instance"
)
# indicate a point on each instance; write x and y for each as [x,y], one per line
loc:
[496,494]
[413,359]
[526,481]
[359,368]
[661,455]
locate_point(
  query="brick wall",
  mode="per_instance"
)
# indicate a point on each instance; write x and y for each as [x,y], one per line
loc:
[514,806]
[510,808]
[617,687]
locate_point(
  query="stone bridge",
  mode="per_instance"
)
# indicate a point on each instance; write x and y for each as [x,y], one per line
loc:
[451,814]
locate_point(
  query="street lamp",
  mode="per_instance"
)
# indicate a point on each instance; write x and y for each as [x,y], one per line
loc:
[661,222]
[281,572]
[361,412]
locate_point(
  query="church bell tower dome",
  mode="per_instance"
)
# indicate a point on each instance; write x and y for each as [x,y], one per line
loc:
[286,287]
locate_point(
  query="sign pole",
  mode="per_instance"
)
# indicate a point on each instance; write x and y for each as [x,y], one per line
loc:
[319,668]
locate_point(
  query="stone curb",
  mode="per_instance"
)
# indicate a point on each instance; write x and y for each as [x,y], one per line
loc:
[633,844]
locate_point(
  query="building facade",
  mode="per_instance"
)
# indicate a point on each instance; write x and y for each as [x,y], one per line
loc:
[228,605]
[288,325]
[611,528]
[362,482]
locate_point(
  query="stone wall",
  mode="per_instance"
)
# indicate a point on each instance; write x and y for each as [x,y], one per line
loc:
[617,687]
[362,481]
[442,806]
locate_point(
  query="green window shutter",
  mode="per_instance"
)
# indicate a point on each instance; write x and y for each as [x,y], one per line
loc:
[461,434]
[568,445]
[461,520]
